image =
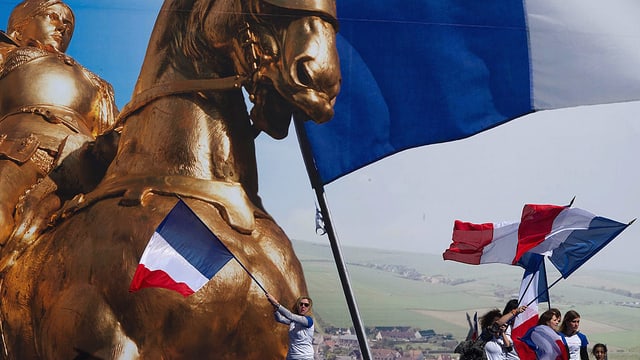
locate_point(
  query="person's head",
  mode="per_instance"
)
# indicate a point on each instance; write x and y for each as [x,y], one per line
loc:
[550,318]
[488,322]
[570,323]
[489,318]
[303,306]
[47,24]
[511,304]
[599,351]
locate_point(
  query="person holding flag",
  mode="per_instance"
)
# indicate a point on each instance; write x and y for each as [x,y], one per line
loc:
[493,343]
[301,326]
[509,309]
[499,343]
[544,338]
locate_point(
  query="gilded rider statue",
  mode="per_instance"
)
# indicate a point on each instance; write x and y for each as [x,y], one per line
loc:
[51,111]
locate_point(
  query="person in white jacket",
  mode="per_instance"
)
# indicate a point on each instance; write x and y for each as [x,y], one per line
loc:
[301,327]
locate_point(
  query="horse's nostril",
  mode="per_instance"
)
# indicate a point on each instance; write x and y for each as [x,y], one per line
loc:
[302,73]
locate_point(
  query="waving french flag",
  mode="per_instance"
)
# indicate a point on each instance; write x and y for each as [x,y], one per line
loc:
[571,236]
[425,72]
[533,290]
[547,343]
[182,254]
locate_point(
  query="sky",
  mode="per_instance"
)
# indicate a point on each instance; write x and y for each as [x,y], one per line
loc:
[409,201]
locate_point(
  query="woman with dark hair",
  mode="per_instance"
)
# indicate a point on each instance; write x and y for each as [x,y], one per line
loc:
[544,338]
[576,341]
[301,326]
[551,318]
[493,331]
[599,351]
[494,325]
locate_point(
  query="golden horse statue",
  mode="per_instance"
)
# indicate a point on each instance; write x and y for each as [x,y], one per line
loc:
[185,134]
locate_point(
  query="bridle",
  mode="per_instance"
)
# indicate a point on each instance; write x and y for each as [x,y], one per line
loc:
[256,56]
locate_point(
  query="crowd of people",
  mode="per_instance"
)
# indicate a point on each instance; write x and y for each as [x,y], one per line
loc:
[552,338]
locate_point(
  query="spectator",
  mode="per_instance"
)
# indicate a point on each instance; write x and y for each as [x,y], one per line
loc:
[576,341]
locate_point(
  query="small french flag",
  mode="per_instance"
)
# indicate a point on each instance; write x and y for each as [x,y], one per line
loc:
[182,254]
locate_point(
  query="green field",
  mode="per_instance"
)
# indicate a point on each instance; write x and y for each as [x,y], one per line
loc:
[448,290]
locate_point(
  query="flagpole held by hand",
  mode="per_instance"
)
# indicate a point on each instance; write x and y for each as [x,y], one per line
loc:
[251,275]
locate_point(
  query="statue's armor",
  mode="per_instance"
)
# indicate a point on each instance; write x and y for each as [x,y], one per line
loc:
[46,97]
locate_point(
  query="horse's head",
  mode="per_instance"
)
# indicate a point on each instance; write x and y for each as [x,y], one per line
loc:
[290,46]
[286,49]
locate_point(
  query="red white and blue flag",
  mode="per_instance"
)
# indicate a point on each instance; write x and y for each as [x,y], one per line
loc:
[451,69]
[182,254]
[533,290]
[547,343]
[570,236]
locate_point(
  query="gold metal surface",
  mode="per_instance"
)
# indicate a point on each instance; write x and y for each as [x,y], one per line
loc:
[185,133]
[46,98]
[326,7]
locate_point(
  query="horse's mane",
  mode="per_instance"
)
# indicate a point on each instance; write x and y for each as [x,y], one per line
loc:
[184,36]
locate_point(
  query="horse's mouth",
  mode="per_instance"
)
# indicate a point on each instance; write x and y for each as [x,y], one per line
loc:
[316,105]
[272,110]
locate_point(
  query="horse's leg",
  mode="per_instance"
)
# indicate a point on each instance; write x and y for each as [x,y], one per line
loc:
[81,324]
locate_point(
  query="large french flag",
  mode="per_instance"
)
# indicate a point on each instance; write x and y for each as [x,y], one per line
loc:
[182,254]
[425,72]
[574,233]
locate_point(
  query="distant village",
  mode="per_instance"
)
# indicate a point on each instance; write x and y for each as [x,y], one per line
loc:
[386,343]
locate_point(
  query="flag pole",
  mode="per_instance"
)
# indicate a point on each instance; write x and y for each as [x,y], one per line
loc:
[525,289]
[546,291]
[318,187]
[548,287]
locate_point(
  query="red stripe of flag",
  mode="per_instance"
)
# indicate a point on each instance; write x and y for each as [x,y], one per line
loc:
[144,277]
[469,240]
[535,224]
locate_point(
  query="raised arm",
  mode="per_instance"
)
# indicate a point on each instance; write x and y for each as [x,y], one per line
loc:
[283,315]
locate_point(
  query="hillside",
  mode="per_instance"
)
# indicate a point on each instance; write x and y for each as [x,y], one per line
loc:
[423,291]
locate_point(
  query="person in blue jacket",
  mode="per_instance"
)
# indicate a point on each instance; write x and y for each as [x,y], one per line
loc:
[576,341]
[301,327]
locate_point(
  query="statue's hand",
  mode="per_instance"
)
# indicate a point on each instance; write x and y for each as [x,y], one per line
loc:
[35,210]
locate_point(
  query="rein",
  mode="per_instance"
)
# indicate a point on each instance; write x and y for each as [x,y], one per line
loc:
[179,87]
[252,50]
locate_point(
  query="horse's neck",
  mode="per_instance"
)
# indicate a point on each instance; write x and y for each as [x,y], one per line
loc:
[203,135]
[190,136]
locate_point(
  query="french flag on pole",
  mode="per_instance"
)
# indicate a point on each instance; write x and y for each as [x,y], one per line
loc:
[182,254]
[437,71]
[571,236]
[533,290]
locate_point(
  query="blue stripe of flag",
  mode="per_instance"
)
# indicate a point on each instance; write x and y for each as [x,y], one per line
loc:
[419,73]
[193,240]
[581,245]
